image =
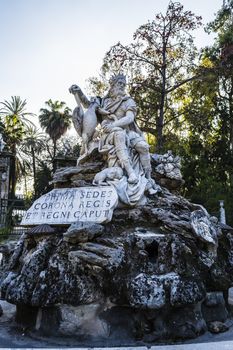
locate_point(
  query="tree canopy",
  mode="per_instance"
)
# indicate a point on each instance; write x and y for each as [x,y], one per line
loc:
[55,120]
[158,62]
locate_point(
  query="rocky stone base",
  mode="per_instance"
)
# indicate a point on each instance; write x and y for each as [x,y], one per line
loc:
[156,272]
[111,322]
[165,171]
[102,321]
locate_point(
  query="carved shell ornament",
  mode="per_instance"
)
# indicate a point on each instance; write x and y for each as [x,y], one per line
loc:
[41,229]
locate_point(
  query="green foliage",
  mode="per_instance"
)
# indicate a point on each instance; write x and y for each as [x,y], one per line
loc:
[14,125]
[206,105]
[55,120]
[159,62]
[5,232]
[43,177]
[15,120]
[184,104]
[98,86]
[32,146]
[68,147]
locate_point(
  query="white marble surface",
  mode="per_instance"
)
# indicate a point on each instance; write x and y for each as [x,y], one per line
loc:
[67,205]
[118,138]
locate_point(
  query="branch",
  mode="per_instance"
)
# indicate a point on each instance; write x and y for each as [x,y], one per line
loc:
[148,129]
[182,83]
[201,75]
[175,117]
[139,58]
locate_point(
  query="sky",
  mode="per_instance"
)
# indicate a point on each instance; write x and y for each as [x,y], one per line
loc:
[48,45]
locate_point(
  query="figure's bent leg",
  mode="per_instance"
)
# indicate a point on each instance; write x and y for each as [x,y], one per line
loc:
[123,156]
[143,150]
[84,148]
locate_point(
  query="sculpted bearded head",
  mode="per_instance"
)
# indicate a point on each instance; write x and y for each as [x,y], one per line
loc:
[117,85]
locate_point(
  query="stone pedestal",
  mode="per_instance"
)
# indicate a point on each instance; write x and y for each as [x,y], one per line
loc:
[152,273]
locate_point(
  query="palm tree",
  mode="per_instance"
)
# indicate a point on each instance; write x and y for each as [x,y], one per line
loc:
[15,120]
[32,145]
[55,121]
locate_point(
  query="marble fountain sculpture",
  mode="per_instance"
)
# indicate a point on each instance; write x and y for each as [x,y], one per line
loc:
[114,253]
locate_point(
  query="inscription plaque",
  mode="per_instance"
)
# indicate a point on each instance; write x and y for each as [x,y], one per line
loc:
[67,205]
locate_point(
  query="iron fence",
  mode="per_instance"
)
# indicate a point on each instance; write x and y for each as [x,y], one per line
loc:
[11,213]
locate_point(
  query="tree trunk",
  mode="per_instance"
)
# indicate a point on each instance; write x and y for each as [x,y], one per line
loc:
[231,131]
[231,128]
[160,118]
[12,175]
[54,153]
[25,184]
[34,170]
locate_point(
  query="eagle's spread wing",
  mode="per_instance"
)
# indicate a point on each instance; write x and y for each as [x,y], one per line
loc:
[77,118]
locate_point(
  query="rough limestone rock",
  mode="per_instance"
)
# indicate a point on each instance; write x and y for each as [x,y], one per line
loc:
[214,307]
[155,272]
[81,232]
[6,251]
[217,327]
[166,170]
[81,175]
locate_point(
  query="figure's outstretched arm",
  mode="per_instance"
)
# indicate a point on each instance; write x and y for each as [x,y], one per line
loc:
[80,98]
